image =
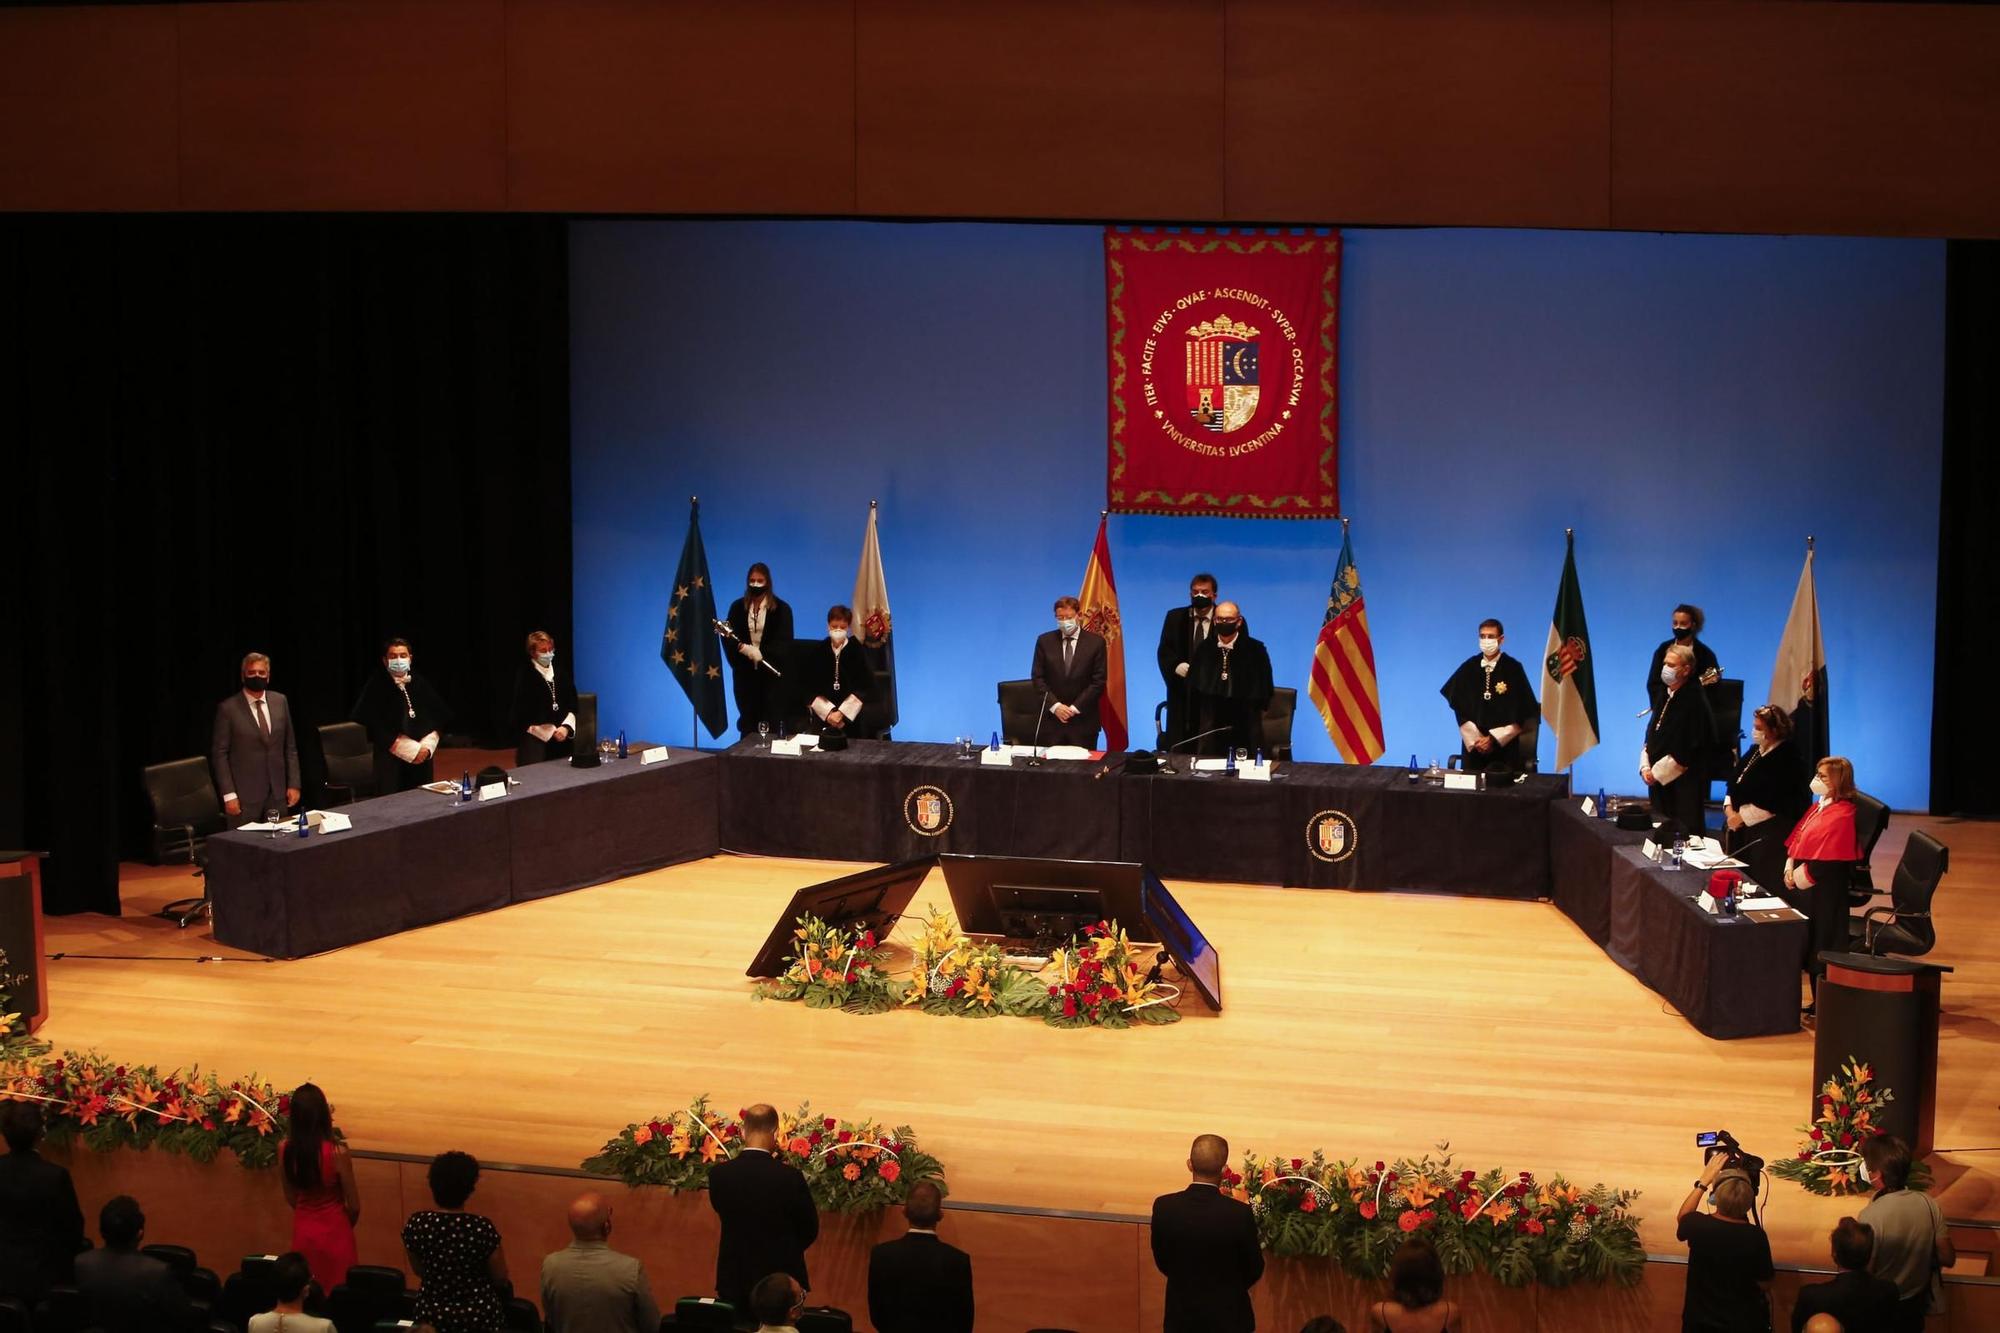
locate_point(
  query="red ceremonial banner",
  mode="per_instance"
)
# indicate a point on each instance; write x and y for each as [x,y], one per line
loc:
[1223,366]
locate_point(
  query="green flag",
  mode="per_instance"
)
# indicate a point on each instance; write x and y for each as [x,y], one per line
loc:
[690,646]
[1569,681]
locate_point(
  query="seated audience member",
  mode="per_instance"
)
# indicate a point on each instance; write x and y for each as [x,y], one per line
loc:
[292,1277]
[1729,1257]
[590,1287]
[1325,1323]
[919,1284]
[456,1255]
[124,1290]
[41,1226]
[766,1210]
[1416,1301]
[1205,1243]
[1826,1323]
[776,1303]
[1857,1300]
[1910,1235]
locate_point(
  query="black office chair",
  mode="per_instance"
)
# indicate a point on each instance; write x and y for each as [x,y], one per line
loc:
[1904,927]
[1528,740]
[1871,820]
[1020,707]
[1278,715]
[186,810]
[350,762]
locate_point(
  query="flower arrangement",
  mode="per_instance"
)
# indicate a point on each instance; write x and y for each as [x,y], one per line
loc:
[835,968]
[969,979]
[1102,982]
[1829,1161]
[106,1106]
[1513,1227]
[851,1166]
[15,1042]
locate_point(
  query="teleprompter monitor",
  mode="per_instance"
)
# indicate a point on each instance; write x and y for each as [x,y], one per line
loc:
[868,900]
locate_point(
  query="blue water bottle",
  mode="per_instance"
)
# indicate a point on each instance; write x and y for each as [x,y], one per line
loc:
[1413,768]
[1229,759]
[1603,809]
[622,752]
[996,741]
[465,785]
[303,830]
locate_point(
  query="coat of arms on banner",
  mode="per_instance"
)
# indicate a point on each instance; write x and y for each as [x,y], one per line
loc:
[1223,350]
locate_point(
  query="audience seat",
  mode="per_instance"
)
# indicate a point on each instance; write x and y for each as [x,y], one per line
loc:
[62,1311]
[250,1290]
[520,1316]
[15,1317]
[825,1319]
[704,1315]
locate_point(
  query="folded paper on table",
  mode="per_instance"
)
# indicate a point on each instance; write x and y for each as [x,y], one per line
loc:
[786,747]
[997,758]
[653,756]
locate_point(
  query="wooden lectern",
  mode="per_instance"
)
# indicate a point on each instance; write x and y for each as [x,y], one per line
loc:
[1884,1013]
[21,934]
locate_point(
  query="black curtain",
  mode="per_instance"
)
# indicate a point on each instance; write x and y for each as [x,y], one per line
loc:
[1964,780]
[292,434]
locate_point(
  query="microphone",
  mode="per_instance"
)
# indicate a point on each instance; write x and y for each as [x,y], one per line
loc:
[723,628]
[1212,731]
[1035,760]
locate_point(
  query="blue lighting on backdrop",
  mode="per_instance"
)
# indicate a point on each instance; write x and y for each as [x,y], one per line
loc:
[1693,406]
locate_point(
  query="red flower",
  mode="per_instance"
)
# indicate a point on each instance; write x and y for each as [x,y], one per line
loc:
[1535,1228]
[867,939]
[1427,1217]
[890,1170]
[1368,1209]
[831,1123]
[1469,1210]
[846,1136]
[1590,1210]
[1309,1204]
[1408,1221]
[1298,1164]
[1069,1006]
[1379,1166]
[1805,1154]
[1815,1133]
[1846,1139]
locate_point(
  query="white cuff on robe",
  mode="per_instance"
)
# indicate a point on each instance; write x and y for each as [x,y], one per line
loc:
[851,706]
[1666,770]
[820,708]
[228,796]
[543,732]
[430,742]
[1753,814]
[1469,733]
[1505,735]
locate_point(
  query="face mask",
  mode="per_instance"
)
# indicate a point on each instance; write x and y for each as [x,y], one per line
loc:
[837,635]
[1684,632]
[1202,601]
[1759,736]
[546,659]
[1489,646]
[256,684]
[1066,626]
[757,589]
[1227,627]
[399,666]
[1819,787]
[1867,1176]
[1668,676]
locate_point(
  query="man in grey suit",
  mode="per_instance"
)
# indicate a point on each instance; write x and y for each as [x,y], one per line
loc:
[253,755]
[590,1287]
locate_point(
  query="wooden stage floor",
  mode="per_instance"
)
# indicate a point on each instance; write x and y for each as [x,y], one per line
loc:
[1368,1024]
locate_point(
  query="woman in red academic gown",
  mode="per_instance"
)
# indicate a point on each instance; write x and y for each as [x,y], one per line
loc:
[1819,860]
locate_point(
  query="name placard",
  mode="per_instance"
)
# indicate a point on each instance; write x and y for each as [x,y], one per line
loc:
[1461,781]
[1254,772]
[492,791]
[657,754]
[996,758]
[789,748]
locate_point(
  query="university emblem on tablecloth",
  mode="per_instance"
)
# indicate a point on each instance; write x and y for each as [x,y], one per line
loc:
[927,810]
[1331,835]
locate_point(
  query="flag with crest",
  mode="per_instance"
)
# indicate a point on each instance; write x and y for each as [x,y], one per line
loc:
[1100,616]
[1569,678]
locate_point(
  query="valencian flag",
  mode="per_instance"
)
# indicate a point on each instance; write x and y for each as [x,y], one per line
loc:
[1222,349]
[1100,616]
[1569,681]
[872,626]
[689,645]
[1798,681]
[1343,671]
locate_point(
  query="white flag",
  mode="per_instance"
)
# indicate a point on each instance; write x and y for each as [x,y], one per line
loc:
[872,624]
[1798,680]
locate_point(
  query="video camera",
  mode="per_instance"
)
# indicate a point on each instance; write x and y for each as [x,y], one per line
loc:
[1721,1142]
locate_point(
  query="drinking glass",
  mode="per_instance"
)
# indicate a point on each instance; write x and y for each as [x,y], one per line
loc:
[763,735]
[272,816]
[1242,756]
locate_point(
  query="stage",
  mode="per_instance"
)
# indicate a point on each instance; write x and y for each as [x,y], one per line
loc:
[1367,1024]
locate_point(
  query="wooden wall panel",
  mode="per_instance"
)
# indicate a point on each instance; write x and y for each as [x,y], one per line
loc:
[1870,118]
[1041,108]
[87,109]
[637,106]
[344,104]
[1448,111]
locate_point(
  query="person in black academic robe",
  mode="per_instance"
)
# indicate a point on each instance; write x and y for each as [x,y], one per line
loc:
[543,710]
[1766,797]
[1184,630]
[405,718]
[1068,672]
[1232,682]
[1679,736]
[1688,621]
[762,623]
[834,679]
[1490,696]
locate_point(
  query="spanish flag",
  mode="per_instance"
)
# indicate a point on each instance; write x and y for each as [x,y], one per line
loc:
[1100,616]
[1343,669]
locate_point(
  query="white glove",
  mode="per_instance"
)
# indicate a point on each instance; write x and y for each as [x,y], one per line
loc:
[1181,670]
[752,651]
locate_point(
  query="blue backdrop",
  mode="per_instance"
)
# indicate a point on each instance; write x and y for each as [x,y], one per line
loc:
[1693,406]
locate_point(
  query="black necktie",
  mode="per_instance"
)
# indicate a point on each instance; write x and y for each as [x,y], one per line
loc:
[1068,645]
[263,721]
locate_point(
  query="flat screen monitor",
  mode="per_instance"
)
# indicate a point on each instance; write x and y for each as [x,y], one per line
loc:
[987,890]
[1192,953]
[869,900]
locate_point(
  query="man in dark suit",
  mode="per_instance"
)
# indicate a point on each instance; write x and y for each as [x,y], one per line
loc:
[1206,1244]
[124,1290]
[762,624]
[253,754]
[1182,634]
[1069,675]
[41,1227]
[919,1284]
[767,1212]
[1861,1301]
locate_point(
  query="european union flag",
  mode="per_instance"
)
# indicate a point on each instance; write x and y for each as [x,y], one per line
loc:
[690,646]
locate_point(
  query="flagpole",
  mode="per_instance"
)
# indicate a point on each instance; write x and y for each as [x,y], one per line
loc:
[694,714]
[1569,774]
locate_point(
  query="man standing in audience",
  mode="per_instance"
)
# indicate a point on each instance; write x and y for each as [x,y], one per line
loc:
[41,1226]
[1206,1244]
[123,1290]
[252,753]
[1184,630]
[776,1303]
[1068,672]
[590,1287]
[1232,685]
[767,1212]
[919,1284]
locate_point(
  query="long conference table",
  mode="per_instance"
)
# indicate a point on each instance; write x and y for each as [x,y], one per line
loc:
[419,857]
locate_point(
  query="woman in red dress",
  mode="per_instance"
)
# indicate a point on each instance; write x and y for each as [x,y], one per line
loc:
[319,1185]
[1819,860]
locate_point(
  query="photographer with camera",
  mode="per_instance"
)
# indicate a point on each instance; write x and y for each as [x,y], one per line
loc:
[1729,1269]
